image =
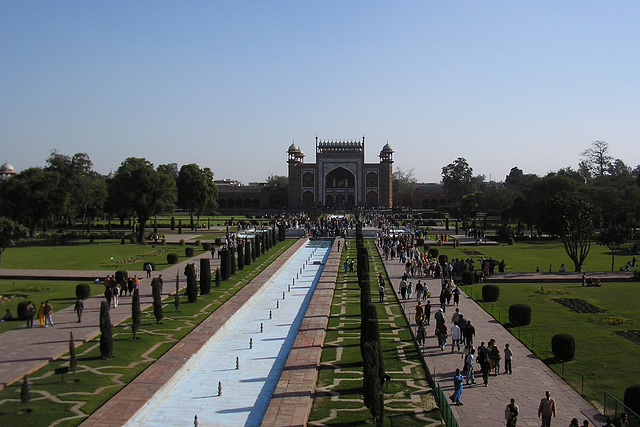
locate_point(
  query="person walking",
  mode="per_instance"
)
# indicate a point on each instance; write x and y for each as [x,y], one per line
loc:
[456,335]
[547,409]
[48,312]
[457,388]
[508,355]
[419,313]
[79,308]
[469,365]
[511,413]
[30,312]
[381,292]
[40,315]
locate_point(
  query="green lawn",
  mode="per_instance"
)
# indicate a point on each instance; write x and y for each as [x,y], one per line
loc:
[96,380]
[524,257]
[83,255]
[60,293]
[604,360]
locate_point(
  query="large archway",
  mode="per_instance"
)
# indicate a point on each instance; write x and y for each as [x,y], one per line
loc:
[340,188]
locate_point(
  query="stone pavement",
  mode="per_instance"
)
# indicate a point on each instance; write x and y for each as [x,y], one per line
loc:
[484,406]
[27,350]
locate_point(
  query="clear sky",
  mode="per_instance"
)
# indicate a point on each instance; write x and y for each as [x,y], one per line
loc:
[230,84]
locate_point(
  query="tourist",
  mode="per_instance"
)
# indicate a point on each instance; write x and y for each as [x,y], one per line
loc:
[469,364]
[547,409]
[585,423]
[425,292]
[419,313]
[441,331]
[41,314]
[345,267]
[148,268]
[456,334]
[419,290]
[508,356]
[624,422]
[469,332]
[410,290]
[456,296]
[574,423]
[48,312]
[79,308]
[8,316]
[381,292]
[108,294]
[30,311]
[494,356]
[403,288]
[511,413]
[427,312]
[456,316]
[457,388]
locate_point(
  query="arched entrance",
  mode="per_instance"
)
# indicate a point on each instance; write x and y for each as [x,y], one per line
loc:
[340,187]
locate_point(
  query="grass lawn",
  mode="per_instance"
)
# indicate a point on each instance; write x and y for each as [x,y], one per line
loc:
[339,398]
[524,257]
[61,294]
[83,255]
[604,361]
[96,380]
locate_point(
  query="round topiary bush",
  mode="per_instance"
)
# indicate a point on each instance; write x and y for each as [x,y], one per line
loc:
[563,347]
[490,293]
[122,276]
[520,314]
[426,248]
[206,247]
[511,241]
[181,242]
[22,310]
[632,398]
[467,277]
[434,252]
[443,259]
[172,258]
[420,242]
[198,242]
[218,241]
[83,290]
[189,252]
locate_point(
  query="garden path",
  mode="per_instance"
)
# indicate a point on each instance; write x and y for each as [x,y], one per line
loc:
[485,405]
[27,350]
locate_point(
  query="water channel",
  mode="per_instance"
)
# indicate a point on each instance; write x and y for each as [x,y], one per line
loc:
[248,383]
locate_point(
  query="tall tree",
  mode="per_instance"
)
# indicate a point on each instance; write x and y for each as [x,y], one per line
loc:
[196,190]
[574,220]
[457,178]
[404,184]
[613,237]
[106,332]
[73,358]
[25,396]
[278,187]
[136,314]
[597,158]
[10,233]
[157,300]
[32,196]
[146,191]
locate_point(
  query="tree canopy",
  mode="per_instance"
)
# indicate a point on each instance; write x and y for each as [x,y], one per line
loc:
[196,190]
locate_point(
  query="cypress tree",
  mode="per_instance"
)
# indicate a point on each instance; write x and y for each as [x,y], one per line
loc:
[205,276]
[25,396]
[135,312]
[240,256]
[73,358]
[106,332]
[263,244]
[192,286]
[225,264]
[218,278]
[232,258]
[176,298]
[254,245]
[247,252]
[157,300]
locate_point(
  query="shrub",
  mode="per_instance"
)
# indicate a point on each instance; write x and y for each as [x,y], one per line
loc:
[172,258]
[106,331]
[632,398]
[467,277]
[205,276]
[198,242]
[420,242]
[434,252]
[426,248]
[563,346]
[443,259]
[122,276]
[181,242]
[520,314]
[189,252]
[218,278]
[22,310]
[83,290]
[510,241]
[218,241]
[206,247]
[490,293]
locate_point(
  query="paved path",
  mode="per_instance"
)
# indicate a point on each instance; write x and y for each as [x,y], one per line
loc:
[27,350]
[484,406]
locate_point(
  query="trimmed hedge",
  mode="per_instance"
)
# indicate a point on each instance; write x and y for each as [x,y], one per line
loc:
[563,346]
[206,246]
[467,277]
[22,310]
[632,398]
[490,293]
[434,252]
[172,258]
[189,252]
[122,276]
[443,259]
[520,314]
[83,290]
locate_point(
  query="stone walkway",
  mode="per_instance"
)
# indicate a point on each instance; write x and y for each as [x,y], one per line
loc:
[27,350]
[484,406]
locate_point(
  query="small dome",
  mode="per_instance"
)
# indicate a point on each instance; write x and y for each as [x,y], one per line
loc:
[387,148]
[293,148]
[7,169]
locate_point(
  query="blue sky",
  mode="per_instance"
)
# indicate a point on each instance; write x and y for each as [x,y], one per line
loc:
[229,85]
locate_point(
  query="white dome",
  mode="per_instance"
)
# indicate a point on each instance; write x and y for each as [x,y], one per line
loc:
[7,168]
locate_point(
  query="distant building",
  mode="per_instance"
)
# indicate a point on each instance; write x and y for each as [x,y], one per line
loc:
[340,177]
[235,196]
[6,171]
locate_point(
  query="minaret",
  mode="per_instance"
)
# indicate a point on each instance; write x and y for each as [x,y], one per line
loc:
[296,159]
[385,195]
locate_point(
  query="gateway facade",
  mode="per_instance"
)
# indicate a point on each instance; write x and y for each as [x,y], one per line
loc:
[340,178]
